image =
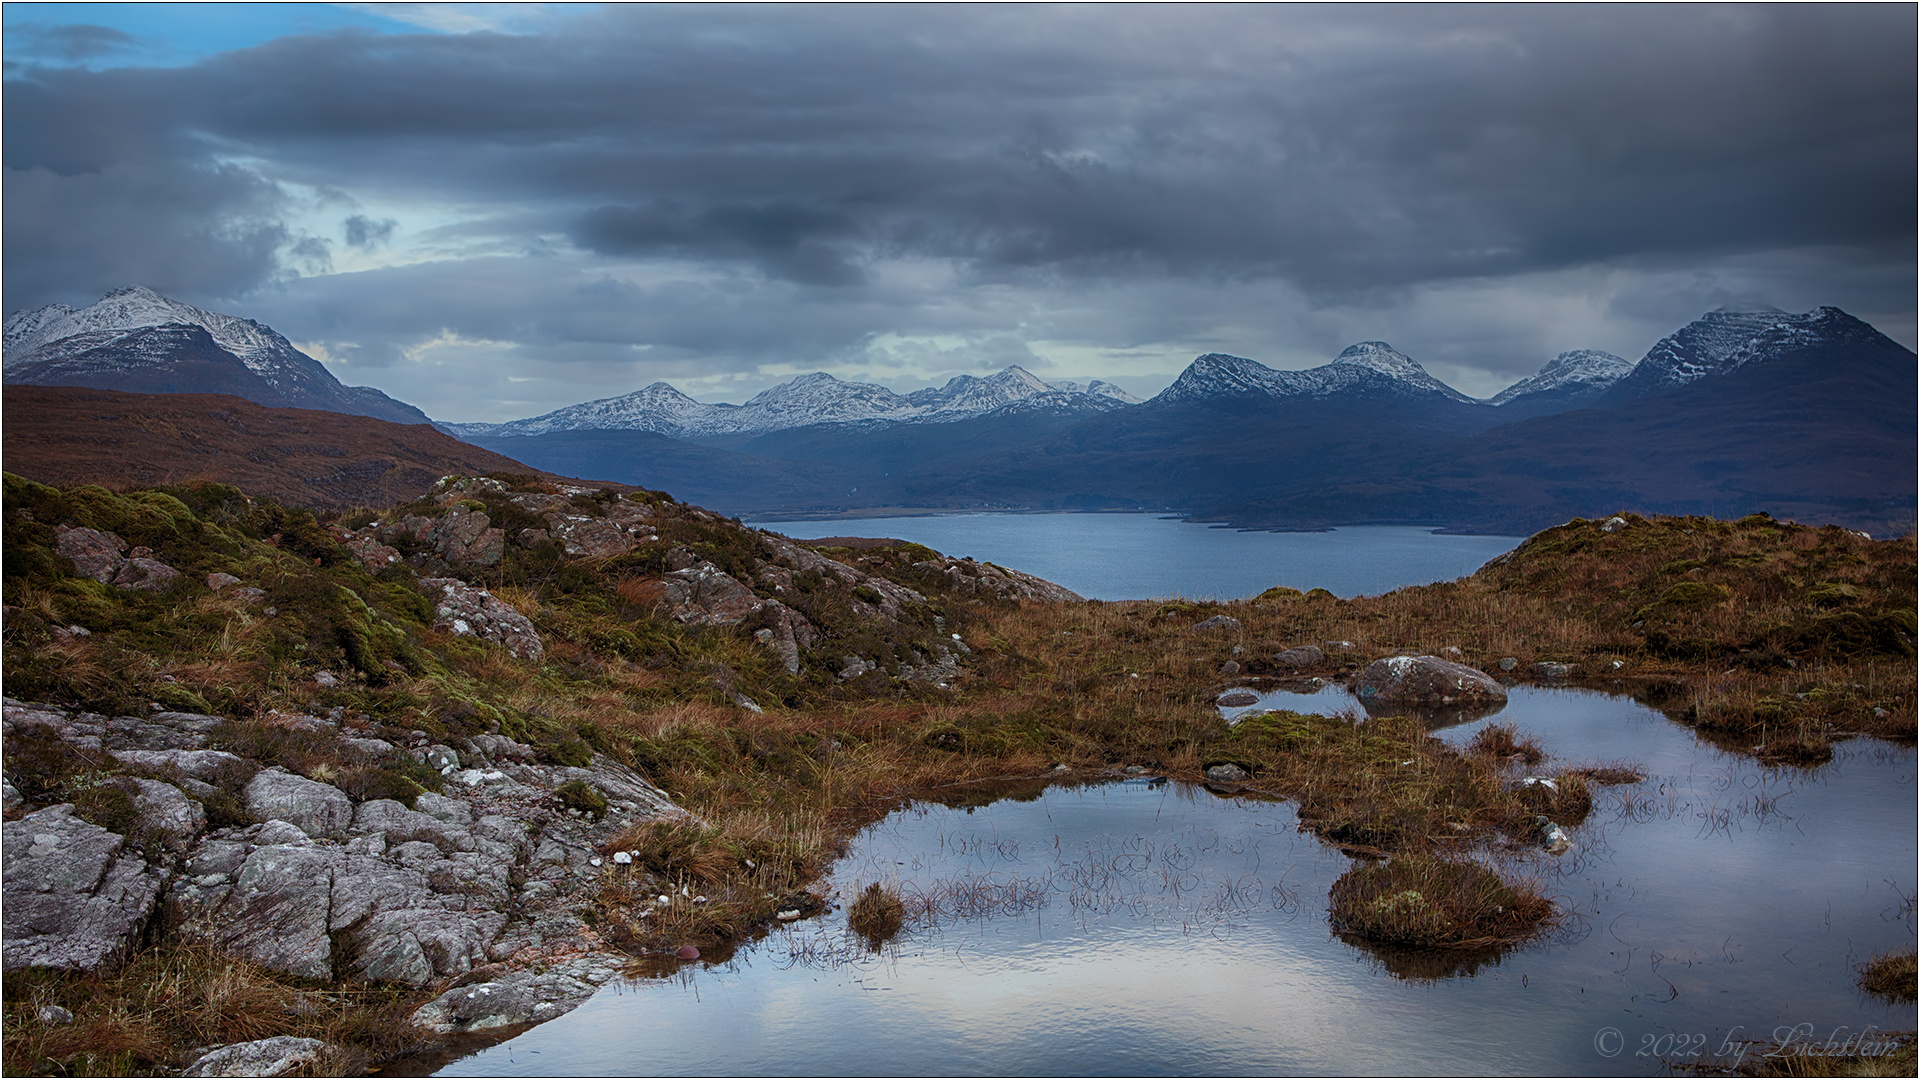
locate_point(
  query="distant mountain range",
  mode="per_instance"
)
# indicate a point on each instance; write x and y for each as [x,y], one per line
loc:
[1807,415]
[139,341]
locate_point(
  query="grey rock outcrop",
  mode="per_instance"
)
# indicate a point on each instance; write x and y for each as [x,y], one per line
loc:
[168,815]
[276,1056]
[1425,680]
[521,997]
[75,899]
[319,810]
[1218,622]
[971,578]
[471,611]
[705,595]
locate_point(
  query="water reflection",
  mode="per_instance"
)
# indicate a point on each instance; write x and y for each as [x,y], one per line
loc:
[1135,929]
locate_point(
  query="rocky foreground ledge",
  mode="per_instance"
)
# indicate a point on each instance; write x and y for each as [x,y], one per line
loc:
[484,884]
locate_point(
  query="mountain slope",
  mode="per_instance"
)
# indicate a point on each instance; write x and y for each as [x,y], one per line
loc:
[1814,421]
[301,457]
[136,340]
[807,401]
[1571,380]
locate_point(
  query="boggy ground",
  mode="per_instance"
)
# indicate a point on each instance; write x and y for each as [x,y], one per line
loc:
[819,690]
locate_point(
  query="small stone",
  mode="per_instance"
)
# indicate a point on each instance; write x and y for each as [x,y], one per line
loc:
[623,858]
[1614,525]
[1299,657]
[1508,663]
[1233,699]
[326,679]
[54,1016]
[1239,650]
[1231,667]
[1218,622]
[1135,770]
[217,580]
[1226,774]
[1552,671]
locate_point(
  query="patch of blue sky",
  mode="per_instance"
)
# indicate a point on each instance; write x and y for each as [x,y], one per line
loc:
[97,35]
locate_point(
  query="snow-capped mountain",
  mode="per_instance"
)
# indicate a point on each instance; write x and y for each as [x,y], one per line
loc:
[1569,381]
[138,340]
[808,400]
[1370,366]
[1726,340]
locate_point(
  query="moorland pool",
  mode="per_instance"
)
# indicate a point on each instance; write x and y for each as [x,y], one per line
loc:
[1145,927]
[1140,556]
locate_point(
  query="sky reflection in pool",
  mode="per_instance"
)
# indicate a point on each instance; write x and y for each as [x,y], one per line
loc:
[1183,933]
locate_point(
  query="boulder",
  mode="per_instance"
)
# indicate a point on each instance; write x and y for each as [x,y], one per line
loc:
[1226,774]
[1425,680]
[277,1056]
[95,554]
[217,581]
[1218,622]
[1614,524]
[149,575]
[589,537]
[471,611]
[1552,671]
[1299,656]
[74,900]
[1233,699]
[319,810]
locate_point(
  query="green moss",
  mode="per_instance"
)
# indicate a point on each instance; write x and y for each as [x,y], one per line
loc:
[581,796]
[1280,592]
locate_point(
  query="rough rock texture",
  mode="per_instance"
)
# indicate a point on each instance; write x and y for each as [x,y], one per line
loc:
[1218,622]
[95,554]
[520,997]
[1300,656]
[471,611]
[1233,699]
[319,810]
[1226,774]
[1425,680]
[147,574]
[168,815]
[1552,671]
[985,579]
[74,900]
[705,595]
[277,1056]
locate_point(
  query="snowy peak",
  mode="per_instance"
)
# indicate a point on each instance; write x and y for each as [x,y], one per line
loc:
[117,343]
[1728,339]
[818,398]
[1370,367]
[1581,373]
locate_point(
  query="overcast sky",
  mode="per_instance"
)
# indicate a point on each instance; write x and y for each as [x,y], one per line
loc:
[493,211]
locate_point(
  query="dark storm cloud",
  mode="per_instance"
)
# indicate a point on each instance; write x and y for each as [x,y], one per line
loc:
[1347,155]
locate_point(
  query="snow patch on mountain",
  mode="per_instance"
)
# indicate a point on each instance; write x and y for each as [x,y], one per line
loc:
[818,398]
[1579,372]
[1370,366]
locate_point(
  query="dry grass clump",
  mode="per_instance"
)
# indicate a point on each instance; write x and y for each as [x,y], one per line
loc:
[145,1018]
[1417,901]
[878,915]
[1500,741]
[1889,976]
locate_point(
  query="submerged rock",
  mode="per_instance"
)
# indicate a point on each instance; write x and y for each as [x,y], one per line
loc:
[520,997]
[1425,680]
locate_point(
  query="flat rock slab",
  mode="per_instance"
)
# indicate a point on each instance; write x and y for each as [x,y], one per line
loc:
[74,901]
[1425,680]
[520,997]
[277,1056]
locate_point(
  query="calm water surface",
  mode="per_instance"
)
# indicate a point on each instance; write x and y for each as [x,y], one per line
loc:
[1143,927]
[1139,556]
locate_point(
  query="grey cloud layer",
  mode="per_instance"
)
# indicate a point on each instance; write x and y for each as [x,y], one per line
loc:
[787,156]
